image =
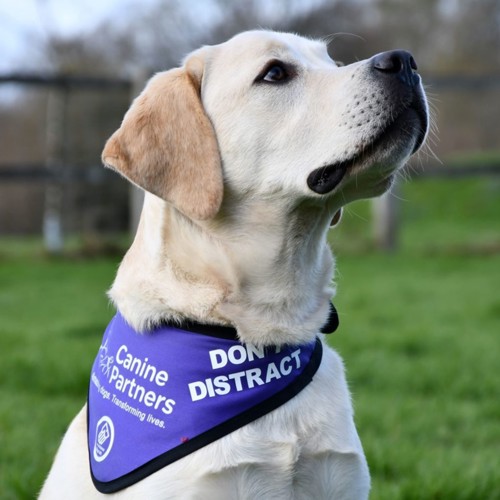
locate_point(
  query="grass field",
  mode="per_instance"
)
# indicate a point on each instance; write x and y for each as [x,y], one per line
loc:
[420,336]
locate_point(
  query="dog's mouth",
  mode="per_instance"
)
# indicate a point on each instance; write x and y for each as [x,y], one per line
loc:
[325,179]
[410,123]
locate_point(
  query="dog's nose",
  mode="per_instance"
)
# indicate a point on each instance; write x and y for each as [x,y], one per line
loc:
[397,63]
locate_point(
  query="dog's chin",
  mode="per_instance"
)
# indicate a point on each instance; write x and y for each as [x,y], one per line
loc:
[378,160]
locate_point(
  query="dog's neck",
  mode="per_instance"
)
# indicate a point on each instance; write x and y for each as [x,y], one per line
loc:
[267,272]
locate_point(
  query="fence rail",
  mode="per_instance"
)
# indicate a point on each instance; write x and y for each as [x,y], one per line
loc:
[66,81]
[65,174]
[463,82]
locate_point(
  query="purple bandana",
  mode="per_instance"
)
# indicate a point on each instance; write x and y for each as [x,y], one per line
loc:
[156,397]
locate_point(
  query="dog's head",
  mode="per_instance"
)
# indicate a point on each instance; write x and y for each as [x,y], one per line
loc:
[271,114]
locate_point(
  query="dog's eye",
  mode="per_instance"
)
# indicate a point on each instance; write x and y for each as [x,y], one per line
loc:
[276,73]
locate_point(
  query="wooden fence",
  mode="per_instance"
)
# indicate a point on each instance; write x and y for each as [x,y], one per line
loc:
[54,172]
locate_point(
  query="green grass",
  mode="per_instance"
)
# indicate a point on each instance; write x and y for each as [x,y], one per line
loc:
[420,340]
[420,336]
[52,318]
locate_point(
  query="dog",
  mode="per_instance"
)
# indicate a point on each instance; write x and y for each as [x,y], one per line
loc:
[246,154]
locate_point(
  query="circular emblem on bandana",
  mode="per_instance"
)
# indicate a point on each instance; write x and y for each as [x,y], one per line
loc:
[104,438]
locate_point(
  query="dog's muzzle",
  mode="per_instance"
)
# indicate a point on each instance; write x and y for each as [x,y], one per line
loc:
[397,70]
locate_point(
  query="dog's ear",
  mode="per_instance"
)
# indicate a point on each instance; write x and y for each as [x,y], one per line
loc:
[167,145]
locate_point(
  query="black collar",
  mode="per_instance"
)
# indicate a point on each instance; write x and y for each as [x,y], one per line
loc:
[230,333]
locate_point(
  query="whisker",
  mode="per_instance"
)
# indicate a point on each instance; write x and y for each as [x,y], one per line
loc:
[328,39]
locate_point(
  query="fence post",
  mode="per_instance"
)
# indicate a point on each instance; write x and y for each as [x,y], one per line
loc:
[385,210]
[56,137]
[136,195]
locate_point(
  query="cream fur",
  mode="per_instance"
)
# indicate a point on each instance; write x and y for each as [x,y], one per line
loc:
[233,235]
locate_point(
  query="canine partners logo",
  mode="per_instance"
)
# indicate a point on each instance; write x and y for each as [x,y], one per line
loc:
[104,438]
[105,361]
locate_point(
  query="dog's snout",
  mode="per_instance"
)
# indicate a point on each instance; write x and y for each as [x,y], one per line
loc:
[399,64]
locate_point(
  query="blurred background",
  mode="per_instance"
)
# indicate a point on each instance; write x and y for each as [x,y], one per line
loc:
[419,270]
[69,71]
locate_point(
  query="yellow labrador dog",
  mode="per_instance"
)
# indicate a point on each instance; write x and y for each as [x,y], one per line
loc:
[246,153]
